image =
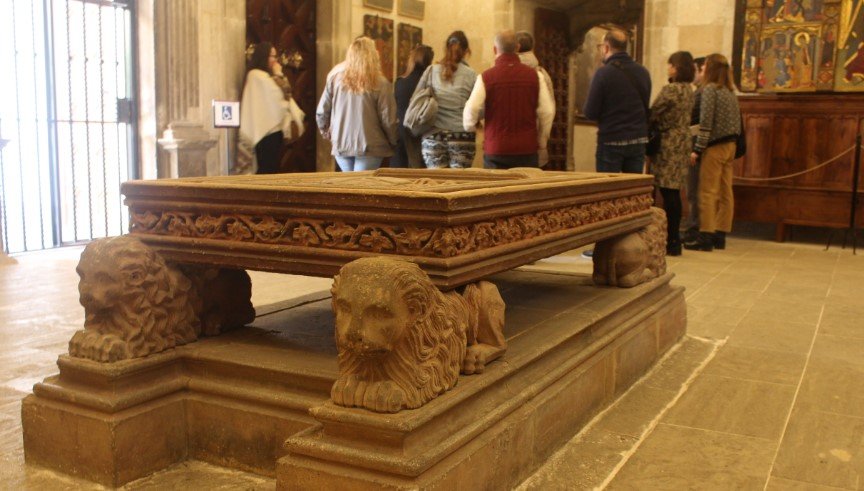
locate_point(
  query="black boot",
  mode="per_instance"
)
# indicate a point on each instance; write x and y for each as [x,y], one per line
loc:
[704,242]
[719,240]
[673,248]
[690,235]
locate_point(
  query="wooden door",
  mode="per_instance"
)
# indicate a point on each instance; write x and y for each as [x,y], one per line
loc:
[552,47]
[290,26]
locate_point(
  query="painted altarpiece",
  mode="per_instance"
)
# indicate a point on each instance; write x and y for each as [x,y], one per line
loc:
[800,45]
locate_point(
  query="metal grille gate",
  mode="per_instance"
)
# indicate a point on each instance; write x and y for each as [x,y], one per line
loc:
[66,111]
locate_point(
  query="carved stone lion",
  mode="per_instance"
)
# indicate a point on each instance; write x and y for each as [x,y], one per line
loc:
[401,341]
[635,258]
[136,305]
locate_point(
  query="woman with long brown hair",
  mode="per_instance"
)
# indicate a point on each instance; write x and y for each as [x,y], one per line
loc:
[264,107]
[357,111]
[719,127]
[448,144]
[408,153]
[670,114]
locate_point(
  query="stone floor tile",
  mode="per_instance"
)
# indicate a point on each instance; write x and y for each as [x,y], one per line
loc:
[784,290]
[723,296]
[709,330]
[191,474]
[743,281]
[839,349]
[822,448]
[583,463]
[742,407]
[833,386]
[766,332]
[780,484]
[745,363]
[635,411]
[679,366]
[715,314]
[841,319]
[676,458]
[789,310]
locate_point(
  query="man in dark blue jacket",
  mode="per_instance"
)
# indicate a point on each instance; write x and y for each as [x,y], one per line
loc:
[618,101]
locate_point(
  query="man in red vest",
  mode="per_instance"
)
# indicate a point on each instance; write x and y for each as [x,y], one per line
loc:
[518,113]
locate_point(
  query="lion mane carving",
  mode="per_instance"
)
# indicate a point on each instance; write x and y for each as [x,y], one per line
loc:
[401,341]
[635,258]
[136,305]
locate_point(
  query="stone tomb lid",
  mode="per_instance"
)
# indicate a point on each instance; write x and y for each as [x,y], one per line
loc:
[392,189]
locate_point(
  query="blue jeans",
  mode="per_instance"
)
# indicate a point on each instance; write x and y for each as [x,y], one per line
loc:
[621,158]
[348,164]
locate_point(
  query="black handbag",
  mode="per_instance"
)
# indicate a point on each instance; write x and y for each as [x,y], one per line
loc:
[655,139]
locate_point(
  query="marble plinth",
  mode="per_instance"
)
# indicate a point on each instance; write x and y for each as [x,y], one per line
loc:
[258,398]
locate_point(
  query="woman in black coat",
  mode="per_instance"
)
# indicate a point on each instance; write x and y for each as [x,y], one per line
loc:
[408,146]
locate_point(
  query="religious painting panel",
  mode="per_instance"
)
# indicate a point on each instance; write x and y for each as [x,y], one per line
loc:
[794,11]
[750,50]
[379,4]
[407,37]
[380,29]
[412,8]
[828,47]
[788,57]
[849,72]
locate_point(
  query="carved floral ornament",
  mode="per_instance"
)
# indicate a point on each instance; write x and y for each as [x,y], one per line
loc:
[442,242]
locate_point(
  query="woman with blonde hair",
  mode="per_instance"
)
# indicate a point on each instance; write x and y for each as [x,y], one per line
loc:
[357,111]
[448,144]
[719,127]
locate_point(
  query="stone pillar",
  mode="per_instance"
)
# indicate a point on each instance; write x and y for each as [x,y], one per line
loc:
[184,141]
[4,258]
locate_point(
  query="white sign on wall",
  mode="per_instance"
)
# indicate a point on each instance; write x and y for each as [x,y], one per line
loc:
[226,114]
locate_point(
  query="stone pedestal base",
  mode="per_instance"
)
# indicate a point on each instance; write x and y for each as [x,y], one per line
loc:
[492,431]
[236,399]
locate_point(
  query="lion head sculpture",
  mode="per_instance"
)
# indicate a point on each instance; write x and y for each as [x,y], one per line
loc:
[134,303]
[401,341]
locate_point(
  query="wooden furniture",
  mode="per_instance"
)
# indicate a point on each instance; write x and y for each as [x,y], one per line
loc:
[787,134]
[459,225]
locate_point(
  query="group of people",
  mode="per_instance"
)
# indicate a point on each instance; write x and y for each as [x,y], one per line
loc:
[362,115]
[697,132]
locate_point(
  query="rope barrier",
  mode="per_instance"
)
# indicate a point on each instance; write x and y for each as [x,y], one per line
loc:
[779,178]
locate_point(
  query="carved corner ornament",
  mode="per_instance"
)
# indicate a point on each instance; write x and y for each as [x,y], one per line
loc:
[629,260]
[136,304]
[401,341]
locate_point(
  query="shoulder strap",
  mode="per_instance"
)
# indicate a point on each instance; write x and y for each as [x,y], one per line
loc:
[639,89]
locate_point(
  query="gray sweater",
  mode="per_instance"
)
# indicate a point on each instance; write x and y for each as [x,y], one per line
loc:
[719,117]
[357,124]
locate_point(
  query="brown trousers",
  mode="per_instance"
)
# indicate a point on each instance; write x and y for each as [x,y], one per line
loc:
[716,203]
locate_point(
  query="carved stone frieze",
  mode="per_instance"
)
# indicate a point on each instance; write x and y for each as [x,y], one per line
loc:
[409,240]
[401,341]
[635,258]
[136,304]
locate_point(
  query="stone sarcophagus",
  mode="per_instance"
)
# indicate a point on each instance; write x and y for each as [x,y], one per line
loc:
[413,311]
[459,226]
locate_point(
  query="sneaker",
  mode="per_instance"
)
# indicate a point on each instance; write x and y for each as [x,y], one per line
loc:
[690,235]
[588,253]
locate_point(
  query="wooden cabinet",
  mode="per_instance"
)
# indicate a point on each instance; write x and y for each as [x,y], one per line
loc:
[787,134]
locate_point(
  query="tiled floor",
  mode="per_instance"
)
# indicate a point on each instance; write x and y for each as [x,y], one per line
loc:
[766,392]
